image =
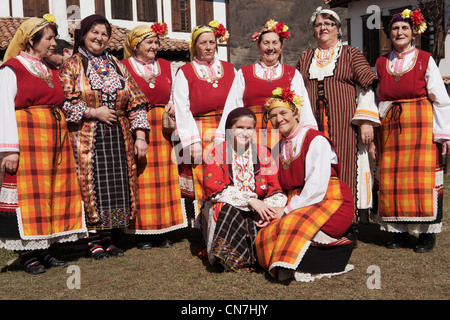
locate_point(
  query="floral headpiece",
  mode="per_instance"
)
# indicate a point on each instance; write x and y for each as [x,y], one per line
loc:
[219,31]
[414,18]
[278,27]
[50,18]
[160,29]
[283,97]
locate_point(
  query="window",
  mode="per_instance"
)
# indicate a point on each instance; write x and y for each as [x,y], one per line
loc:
[35,8]
[205,11]
[100,7]
[181,15]
[147,10]
[122,9]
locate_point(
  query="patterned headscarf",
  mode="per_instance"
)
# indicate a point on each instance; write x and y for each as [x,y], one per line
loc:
[140,33]
[25,32]
[215,27]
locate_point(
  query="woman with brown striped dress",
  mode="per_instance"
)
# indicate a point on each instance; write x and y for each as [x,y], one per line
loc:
[160,207]
[339,83]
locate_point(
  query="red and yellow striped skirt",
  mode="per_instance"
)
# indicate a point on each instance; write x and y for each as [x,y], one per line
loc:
[49,197]
[284,242]
[159,205]
[409,163]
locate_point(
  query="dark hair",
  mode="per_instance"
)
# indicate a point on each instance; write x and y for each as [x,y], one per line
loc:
[61,45]
[265,32]
[37,37]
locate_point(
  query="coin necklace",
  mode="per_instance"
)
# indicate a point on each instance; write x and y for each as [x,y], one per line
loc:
[214,81]
[48,79]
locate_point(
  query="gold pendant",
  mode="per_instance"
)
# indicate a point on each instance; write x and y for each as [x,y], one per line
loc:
[215,85]
[397,79]
[286,166]
[152,85]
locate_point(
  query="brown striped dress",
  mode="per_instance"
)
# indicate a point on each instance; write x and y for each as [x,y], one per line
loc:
[333,100]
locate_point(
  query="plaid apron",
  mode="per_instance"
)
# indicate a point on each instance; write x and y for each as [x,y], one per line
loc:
[49,198]
[159,205]
[284,242]
[408,163]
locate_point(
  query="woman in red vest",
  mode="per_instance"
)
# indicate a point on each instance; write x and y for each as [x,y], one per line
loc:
[306,240]
[255,82]
[160,208]
[415,130]
[40,198]
[200,90]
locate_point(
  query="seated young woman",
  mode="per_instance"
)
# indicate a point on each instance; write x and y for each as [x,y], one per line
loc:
[306,238]
[241,192]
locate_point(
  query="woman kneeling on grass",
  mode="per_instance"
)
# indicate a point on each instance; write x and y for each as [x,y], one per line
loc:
[241,192]
[306,239]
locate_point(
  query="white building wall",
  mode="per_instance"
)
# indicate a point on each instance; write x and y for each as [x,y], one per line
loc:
[357,9]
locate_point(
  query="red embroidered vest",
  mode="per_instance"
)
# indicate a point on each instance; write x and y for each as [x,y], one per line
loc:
[411,85]
[203,97]
[294,176]
[257,90]
[34,91]
[160,95]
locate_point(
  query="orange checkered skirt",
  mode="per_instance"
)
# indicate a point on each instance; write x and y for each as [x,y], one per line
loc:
[192,174]
[409,163]
[284,242]
[49,199]
[160,207]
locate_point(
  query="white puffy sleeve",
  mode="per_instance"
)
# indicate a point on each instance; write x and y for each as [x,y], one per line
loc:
[9,136]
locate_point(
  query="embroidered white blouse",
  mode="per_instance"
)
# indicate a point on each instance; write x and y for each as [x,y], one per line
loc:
[186,126]
[318,162]
[236,94]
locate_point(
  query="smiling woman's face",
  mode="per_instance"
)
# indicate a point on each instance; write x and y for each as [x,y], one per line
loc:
[148,49]
[401,35]
[97,38]
[270,48]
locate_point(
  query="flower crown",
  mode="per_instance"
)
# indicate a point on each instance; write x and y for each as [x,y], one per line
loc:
[160,29]
[415,17]
[50,18]
[220,31]
[285,95]
[278,27]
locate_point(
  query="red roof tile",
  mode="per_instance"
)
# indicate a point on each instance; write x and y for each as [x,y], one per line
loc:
[9,25]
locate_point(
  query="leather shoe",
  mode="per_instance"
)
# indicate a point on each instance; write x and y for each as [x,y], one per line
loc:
[36,269]
[144,245]
[398,240]
[426,242]
[166,243]
[113,251]
[55,263]
[100,255]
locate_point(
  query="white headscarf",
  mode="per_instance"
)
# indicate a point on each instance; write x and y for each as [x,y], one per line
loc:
[319,10]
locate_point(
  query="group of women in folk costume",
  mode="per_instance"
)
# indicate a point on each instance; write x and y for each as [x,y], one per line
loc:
[285,202]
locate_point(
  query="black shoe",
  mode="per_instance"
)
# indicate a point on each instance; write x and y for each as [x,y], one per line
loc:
[99,255]
[166,243]
[145,245]
[113,251]
[398,240]
[426,242]
[33,266]
[50,262]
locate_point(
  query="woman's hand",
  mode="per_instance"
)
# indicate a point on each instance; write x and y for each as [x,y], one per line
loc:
[107,115]
[196,152]
[10,162]
[133,115]
[170,109]
[373,150]
[266,212]
[140,145]
[366,132]
[446,147]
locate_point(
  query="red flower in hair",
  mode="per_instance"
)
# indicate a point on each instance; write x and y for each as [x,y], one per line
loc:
[417,17]
[220,31]
[287,94]
[159,28]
